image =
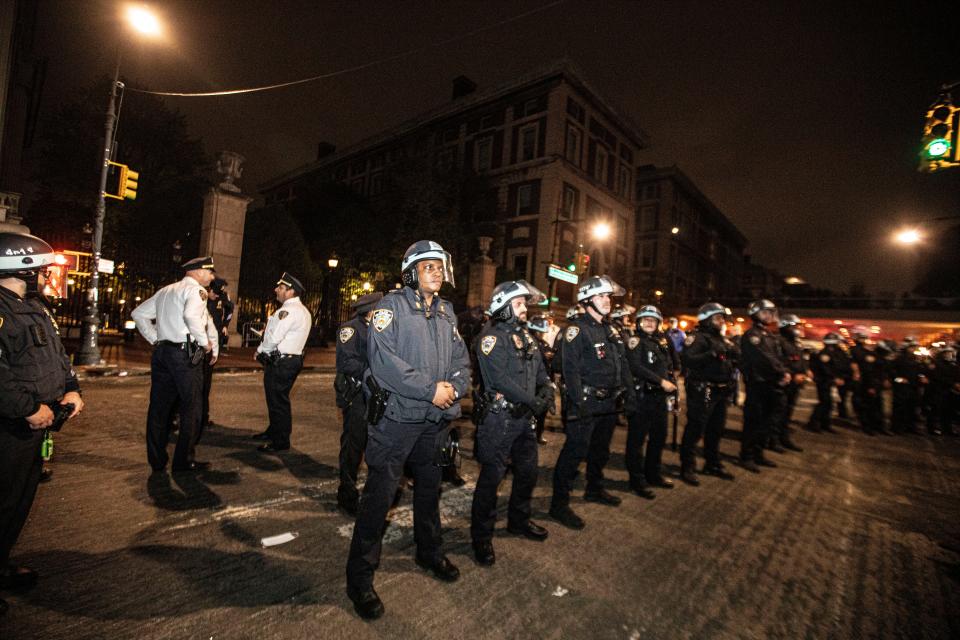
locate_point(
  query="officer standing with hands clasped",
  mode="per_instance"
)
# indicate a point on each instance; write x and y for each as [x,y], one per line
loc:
[281,354]
[419,371]
[766,376]
[596,375]
[176,322]
[516,391]
[708,358]
[651,358]
[38,390]
[351,366]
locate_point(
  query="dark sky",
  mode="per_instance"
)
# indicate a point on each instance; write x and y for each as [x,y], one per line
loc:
[800,120]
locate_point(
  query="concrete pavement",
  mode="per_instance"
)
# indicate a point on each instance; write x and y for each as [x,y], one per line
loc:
[856,537]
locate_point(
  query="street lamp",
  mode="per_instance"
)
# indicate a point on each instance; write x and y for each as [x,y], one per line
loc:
[675,230]
[907,236]
[333,261]
[147,24]
[601,231]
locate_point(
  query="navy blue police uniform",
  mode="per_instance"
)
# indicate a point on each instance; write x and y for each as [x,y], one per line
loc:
[651,361]
[826,367]
[763,370]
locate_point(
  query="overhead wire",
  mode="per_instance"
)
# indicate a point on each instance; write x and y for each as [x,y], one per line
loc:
[359,67]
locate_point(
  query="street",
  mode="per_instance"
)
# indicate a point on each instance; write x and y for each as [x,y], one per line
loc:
[856,537]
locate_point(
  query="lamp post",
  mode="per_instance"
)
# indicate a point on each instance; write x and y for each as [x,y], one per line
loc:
[600,232]
[145,23]
[332,263]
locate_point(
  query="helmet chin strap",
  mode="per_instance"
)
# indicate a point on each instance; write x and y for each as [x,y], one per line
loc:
[31,279]
[593,305]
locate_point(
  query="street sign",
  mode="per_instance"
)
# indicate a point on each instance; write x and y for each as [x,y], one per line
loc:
[106,266]
[559,273]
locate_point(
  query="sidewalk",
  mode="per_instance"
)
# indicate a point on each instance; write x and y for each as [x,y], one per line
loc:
[122,359]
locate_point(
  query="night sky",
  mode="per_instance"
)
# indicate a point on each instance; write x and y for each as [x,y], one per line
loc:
[801,120]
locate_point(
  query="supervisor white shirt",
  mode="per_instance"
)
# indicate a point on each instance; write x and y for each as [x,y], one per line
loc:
[179,311]
[287,329]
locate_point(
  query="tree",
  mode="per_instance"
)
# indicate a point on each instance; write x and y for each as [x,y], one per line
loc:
[151,139]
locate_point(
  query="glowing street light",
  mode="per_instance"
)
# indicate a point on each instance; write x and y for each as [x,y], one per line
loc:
[909,236]
[333,261]
[143,21]
[601,231]
[675,230]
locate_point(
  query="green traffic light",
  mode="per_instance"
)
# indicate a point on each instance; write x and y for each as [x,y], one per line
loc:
[571,267]
[938,148]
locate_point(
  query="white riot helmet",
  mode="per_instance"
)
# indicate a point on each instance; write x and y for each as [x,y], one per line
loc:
[597,286]
[425,250]
[503,293]
[23,256]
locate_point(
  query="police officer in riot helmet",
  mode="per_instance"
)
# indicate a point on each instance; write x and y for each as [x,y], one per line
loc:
[546,332]
[827,373]
[348,384]
[909,375]
[708,357]
[791,332]
[38,390]
[515,392]
[419,371]
[597,378]
[649,354]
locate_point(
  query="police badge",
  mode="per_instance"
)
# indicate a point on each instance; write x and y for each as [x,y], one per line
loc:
[633,342]
[382,319]
[517,341]
[283,314]
[346,333]
[487,344]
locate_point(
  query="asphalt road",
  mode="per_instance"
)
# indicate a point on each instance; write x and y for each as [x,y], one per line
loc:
[857,537]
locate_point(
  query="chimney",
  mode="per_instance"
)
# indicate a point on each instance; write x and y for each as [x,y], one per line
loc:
[463,86]
[325,149]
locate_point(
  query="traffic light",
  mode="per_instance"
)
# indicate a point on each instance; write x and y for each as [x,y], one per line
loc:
[126,185]
[583,262]
[940,136]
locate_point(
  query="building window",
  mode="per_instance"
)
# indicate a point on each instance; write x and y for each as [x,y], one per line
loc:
[376,183]
[623,184]
[571,200]
[600,166]
[528,142]
[572,148]
[575,110]
[520,266]
[357,186]
[524,197]
[621,230]
[649,192]
[446,158]
[484,159]
[487,121]
[648,219]
[520,232]
[648,254]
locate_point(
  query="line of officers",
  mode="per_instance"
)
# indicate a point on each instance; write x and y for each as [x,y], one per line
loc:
[403,367]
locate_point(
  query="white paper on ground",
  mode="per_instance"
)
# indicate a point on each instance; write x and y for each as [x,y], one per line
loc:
[283,538]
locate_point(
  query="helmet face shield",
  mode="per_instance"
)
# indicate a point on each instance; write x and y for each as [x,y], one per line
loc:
[429,250]
[597,286]
[534,295]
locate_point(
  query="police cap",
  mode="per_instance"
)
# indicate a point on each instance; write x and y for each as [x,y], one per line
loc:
[291,282]
[366,303]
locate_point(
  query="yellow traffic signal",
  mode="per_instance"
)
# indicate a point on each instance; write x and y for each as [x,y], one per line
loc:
[126,185]
[940,136]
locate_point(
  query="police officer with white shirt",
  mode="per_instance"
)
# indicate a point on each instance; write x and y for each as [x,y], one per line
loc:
[281,354]
[176,322]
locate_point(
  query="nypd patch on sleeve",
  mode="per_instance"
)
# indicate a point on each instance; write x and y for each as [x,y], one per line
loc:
[346,333]
[487,343]
[572,332]
[382,319]
[633,342]
[689,340]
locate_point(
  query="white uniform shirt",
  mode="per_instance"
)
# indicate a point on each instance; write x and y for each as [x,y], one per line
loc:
[287,329]
[180,312]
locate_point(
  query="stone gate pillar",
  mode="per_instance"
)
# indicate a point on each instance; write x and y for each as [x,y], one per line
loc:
[221,233]
[482,276]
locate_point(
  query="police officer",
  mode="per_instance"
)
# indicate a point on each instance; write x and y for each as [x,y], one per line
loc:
[761,362]
[909,376]
[515,392]
[944,391]
[420,370]
[596,375]
[869,392]
[708,358]
[351,366]
[652,365]
[791,332]
[176,322]
[219,310]
[35,378]
[281,354]
[827,369]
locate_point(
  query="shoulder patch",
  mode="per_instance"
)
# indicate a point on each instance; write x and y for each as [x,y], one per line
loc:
[824,357]
[867,358]
[203,294]
[689,340]
[381,319]
[346,333]
[633,342]
[754,339]
[517,340]
[614,331]
[283,314]
[487,343]
[572,332]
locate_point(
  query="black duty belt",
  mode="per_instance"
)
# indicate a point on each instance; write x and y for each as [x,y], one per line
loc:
[291,355]
[713,385]
[170,343]
[602,393]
